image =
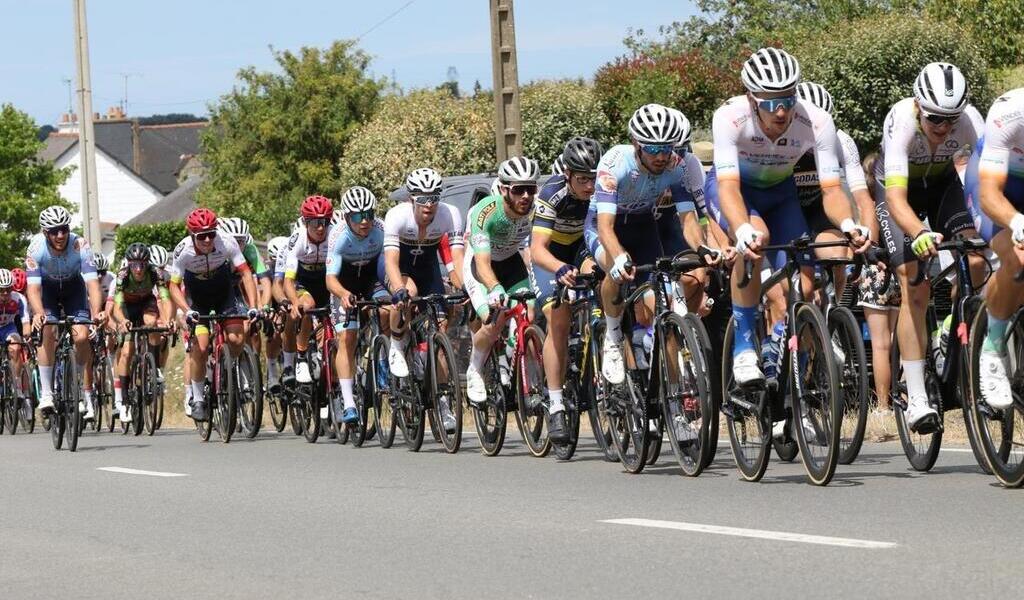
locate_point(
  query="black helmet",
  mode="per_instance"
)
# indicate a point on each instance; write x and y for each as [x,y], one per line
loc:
[137,251]
[581,155]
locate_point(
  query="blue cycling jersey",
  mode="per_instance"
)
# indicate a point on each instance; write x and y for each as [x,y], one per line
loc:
[44,264]
[625,187]
[347,249]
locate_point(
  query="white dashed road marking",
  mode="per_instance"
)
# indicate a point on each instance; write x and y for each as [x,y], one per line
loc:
[127,471]
[781,536]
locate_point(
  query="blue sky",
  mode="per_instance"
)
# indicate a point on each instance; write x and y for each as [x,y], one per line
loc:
[181,55]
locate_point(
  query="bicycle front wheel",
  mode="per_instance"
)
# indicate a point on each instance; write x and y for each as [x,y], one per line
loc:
[848,349]
[10,401]
[531,389]
[921,449]
[250,392]
[226,408]
[383,403]
[685,399]
[71,388]
[745,417]
[447,393]
[491,418]
[150,409]
[599,390]
[817,401]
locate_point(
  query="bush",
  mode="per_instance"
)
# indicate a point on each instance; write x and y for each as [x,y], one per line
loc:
[166,234]
[553,112]
[688,81]
[870,64]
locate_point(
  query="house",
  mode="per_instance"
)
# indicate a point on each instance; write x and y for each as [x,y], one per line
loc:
[136,165]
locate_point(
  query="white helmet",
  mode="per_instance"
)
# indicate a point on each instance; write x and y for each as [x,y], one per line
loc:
[770,70]
[6,279]
[496,187]
[101,262]
[158,256]
[816,94]
[685,124]
[423,181]
[275,246]
[558,167]
[941,89]
[655,124]
[518,169]
[358,199]
[337,217]
[236,228]
[54,216]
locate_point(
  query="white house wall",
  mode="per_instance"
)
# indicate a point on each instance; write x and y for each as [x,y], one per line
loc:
[122,194]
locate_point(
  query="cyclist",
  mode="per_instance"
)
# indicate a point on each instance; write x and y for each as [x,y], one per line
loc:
[355,248]
[916,178]
[13,325]
[751,192]
[202,273]
[631,179]
[557,251]
[275,251]
[496,261]
[305,284]
[995,195]
[62,282]
[409,265]
[140,299]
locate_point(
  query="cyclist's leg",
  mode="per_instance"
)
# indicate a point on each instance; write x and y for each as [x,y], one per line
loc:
[14,353]
[487,334]
[879,312]
[557,340]
[823,230]
[197,371]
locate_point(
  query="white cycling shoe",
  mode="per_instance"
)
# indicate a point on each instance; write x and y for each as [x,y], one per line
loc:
[476,389]
[396,361]
[995,384]
[917,410]
[746,368]
[302,372]
[611,361]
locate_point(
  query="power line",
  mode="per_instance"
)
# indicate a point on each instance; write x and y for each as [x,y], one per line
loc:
[385,20]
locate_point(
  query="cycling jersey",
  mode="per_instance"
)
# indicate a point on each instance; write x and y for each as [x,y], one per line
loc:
[492,230]
[128,290]
[624,187]
[255,261]
[353,260]
[62,276]
[560,215]
[809,191]
[999,153]
[106,284]
[693,187]
[209,278]
[403,234]
[906,158]
[14,310]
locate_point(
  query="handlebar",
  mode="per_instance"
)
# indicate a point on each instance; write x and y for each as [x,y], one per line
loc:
[520,296]
[584,282]
[956,246]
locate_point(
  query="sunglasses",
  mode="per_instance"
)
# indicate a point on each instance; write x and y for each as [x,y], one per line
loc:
[359,217]
[318,221]
[773,104]
[522,189]
[584,179]
[138,264]
[656,148]
[426,200]
[940,119]
[62,230]
[204,236]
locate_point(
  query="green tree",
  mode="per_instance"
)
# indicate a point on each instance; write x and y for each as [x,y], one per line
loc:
[165,234]
[997,26]
[276,137]
[870,64]
[554,111]
[27,185]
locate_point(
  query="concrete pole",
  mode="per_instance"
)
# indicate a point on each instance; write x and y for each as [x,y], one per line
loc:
[86,135]
[507,124]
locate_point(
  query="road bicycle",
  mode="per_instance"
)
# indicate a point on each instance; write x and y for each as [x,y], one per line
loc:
[66,420]
[102,382]
[309,398]
[230,377]
[141,398]
[15,408]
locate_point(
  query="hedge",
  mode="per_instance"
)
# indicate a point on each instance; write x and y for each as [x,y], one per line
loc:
[166,234]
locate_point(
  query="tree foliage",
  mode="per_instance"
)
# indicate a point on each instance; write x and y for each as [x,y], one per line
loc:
[27,186]
[997,26]
[276,137]
[165,234]
[171,118]
[554,111]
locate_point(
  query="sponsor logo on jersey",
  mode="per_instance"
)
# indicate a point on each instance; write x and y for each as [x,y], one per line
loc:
[485,212]
[952,144]
[783,142]
[607,181]
[758,140]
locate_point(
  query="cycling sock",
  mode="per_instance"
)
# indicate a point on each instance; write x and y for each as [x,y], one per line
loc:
[346,393]
[913,372]
[273,370]
[556,401]
[995,338]
[477,358]
[197,391]
[46,379]
[613,328]
[118,393]
[743,334]
[289,359]
[399,342]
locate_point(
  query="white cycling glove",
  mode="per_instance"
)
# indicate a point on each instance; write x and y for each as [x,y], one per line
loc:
[745,236]
[1017,228]
[619,267]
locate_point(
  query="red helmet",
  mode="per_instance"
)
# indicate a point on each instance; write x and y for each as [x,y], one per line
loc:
[317,207]
[20,279]
[201,219]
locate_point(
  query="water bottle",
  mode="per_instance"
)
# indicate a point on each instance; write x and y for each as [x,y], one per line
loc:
[419,360]
[940,341]
[865,333]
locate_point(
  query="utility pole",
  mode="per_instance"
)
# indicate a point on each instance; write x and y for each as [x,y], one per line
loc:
[507,124]
[86,135]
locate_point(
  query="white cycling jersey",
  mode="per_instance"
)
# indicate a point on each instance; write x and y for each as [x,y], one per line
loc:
[744,152]
[1003,153]
[304,257]
[401,231]
[225,258]
[907,159]
[849,163]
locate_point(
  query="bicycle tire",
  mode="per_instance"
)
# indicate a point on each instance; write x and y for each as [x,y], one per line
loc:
[958,347]
[72,391]
[98,398]
[711,383]
[137,395]
[362,390]
[749,430]
[149,406]
[227,400]
[446,391]
[632,425]
[598,388]
[567,450]
[678,403]
[921,450]
[530,391]
[9,418]
[819,401]
[250,391]
[411,414]
[107,387]
[995,429]
[383,408]
[278,411]
[491,417]
[853,376]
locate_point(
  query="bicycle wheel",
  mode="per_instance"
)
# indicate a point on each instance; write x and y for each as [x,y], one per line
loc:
[71,388]
[9,418]
[598,388]
[491,418]
[572,421]
[447,393]
[250,392]
[816,396]
[745,417]
[999,433]
[959,383]
[106,389]
[921,450]
[710,383]
[848,349]
[683,394]
[150,410]
[631,423]
[97,395]
[137,394]
[362,386]
[57,418]
[383,403]
[278,411]
[226,407]
[531,389]
[411,414]
[205,428]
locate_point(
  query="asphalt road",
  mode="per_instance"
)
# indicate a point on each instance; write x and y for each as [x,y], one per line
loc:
[277,517]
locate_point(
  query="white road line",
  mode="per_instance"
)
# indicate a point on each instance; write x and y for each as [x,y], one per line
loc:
[955,450]
[782,536]
[128,471]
